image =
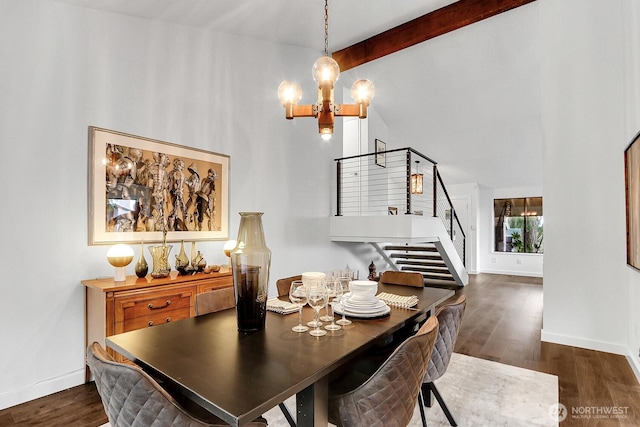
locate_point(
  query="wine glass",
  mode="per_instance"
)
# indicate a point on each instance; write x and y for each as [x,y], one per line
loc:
[314,285]
[330,285]
[342,287]
[317,298]
[298,295]
[332,293]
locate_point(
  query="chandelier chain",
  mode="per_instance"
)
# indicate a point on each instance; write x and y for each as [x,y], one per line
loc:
[326,27]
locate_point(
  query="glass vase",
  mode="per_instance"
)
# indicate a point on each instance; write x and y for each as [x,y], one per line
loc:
[250,263]
[142,268]
[160,255]
[182,261]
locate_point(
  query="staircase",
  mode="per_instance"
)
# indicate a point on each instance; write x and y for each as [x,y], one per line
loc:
[424,259]
[384,199]
[407,242]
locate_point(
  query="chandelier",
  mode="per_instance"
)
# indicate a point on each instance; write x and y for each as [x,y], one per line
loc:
[325,71]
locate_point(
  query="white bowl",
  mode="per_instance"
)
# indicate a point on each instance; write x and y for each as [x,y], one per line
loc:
[312,278]
[363,288]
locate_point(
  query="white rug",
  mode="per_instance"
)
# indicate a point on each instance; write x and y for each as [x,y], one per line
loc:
[480,393]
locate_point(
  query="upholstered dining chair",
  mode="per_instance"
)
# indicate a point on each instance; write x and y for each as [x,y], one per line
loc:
[388,397]
[132,398]
[403,278]
[212,301]
[449,320]
[283,285]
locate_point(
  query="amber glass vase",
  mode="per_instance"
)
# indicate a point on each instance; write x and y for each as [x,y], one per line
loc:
[160,254]
[250,262]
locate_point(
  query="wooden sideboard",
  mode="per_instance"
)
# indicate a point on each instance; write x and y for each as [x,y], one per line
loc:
[116,307]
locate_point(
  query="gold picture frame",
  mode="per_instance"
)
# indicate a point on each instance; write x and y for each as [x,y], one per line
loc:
[140,187]
[632,192]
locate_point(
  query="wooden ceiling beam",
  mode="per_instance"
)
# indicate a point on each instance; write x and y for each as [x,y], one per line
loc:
[433,24]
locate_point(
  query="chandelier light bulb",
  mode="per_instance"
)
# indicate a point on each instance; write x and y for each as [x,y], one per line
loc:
[325,136]
[289,93]
[362,91]
[325,70]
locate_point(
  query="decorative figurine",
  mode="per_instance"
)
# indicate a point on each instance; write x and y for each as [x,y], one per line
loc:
[372,272]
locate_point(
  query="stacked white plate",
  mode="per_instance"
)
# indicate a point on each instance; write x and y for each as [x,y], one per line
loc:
[363,307]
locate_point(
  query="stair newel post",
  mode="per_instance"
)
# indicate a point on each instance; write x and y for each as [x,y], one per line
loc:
[408,186]
[339,191]
[435,190]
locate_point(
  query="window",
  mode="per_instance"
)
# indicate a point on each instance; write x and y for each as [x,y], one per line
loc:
[518,225]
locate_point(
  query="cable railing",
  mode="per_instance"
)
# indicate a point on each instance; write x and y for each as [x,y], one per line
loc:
[396,182]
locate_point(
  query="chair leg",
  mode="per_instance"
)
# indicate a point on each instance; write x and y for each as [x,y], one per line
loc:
[421,406]
[426,395]
[443,405]
[287,414]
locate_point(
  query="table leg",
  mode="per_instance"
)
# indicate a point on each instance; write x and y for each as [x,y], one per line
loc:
[312,405]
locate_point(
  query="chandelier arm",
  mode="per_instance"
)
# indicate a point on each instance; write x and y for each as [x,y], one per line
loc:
[308,110]
[351,110]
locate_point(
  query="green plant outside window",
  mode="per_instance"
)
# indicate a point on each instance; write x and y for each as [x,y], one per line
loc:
[518,225]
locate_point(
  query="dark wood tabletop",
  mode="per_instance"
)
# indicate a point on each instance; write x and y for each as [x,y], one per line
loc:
[240,376]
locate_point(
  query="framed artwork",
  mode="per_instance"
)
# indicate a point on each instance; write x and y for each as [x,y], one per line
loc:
[632,191]
[381,159]
[140,187]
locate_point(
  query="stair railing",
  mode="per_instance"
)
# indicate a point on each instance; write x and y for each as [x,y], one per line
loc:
[381,184]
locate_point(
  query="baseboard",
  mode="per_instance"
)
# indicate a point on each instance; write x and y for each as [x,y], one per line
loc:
[635,364]
[513,273]
[604,346]
[41,389]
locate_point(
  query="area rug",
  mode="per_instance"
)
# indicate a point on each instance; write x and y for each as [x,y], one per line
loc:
[481,393]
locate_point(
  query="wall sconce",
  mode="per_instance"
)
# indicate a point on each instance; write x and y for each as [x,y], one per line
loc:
[119,256]
[417,180]
[326,72]
[228,247]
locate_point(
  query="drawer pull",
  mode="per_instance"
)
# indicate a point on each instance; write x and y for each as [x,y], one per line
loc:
[166,304]
[168,319]
[150,323]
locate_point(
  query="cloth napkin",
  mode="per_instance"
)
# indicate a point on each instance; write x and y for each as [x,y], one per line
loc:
[281,307]
[397,300]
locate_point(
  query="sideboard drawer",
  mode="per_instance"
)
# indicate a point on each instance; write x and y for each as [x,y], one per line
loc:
[155,319]
[215,283]
[154,304]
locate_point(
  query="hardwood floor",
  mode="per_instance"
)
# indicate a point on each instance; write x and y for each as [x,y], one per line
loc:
[502,323]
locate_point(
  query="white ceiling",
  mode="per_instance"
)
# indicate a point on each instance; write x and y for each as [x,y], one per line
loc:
[470,99]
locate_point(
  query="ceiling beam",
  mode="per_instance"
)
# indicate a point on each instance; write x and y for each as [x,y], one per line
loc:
[433,24]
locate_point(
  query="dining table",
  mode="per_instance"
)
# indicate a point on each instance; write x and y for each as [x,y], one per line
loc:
[239,376]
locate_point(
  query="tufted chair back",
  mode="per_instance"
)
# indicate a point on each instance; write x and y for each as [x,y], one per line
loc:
[388,397]
[132,398]
[449,320]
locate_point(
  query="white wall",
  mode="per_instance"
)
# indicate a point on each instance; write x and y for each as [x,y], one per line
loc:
[67,68]
[590,113]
